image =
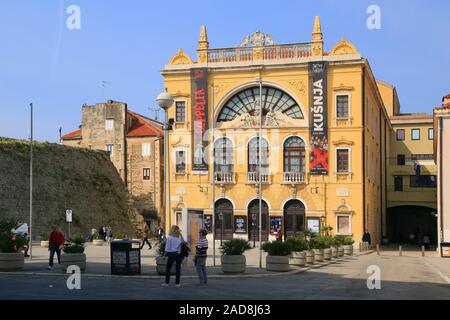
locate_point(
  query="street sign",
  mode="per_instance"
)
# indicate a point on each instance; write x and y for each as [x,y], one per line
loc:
[68,215]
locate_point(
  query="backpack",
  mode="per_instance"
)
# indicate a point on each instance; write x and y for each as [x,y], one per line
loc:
[184,252]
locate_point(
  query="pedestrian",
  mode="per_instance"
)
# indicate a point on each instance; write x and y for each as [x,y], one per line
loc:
[201,249]
[173,252]
[145,237]
[93,232]
[100,233]
[104,233]
[55,244]
[279,234]
[108,233]
[161,234]
[426,241]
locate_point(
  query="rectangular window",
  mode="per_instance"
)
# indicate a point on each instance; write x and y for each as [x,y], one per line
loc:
[430,133]
[180,107]
[342,160]
[400,159]
[109,124]
[146,174]
[398,183]
[416,157]
[109,149]
[146,149]
[180,161]
[342,106]
[401,135]
[343,224]
[418,181]
[415,134]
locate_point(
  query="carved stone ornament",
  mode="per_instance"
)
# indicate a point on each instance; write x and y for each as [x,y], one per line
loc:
[343,141]
[180,58]
[344,47]
[258,39]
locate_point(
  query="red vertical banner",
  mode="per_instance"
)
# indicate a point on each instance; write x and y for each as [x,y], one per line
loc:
[199,101]
[318,115]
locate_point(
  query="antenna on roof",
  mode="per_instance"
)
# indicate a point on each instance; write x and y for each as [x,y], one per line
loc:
[156,111]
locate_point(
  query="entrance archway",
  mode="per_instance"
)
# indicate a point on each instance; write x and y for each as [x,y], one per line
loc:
[253,221]
[224,219]
[294,218]
[402,221]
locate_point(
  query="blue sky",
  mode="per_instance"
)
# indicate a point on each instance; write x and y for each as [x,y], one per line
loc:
[126,43]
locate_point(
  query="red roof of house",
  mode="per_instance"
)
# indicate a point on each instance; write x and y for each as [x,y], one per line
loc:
[142,127]
[73,135]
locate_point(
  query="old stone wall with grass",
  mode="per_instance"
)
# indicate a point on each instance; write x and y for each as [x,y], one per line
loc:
[64,178]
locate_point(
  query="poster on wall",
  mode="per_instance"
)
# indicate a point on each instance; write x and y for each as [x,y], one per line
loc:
[207,223]
[199,102]
[240,224]
[318,123]
[275,223]
[313,224]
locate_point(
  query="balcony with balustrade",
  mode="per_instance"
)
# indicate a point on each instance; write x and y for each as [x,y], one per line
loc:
[294,178]
[253,178]
[224,177]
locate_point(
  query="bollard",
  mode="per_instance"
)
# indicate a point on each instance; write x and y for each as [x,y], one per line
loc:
[423,251]
[378,249]
[360,246]
[400,250]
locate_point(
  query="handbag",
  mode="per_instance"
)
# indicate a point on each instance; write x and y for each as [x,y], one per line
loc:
[184,249]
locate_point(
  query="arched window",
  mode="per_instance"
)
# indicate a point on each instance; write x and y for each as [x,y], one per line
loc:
[273,99]
[294,155]
[223,159]
[253,159]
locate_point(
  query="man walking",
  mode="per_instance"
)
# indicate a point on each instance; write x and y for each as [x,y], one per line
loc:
[145,237]
[55,244]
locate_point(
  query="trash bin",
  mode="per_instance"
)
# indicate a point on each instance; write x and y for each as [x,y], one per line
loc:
[445,249]
[125,257]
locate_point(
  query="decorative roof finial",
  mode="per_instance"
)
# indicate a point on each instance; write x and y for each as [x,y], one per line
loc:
[317,38]
[203,45]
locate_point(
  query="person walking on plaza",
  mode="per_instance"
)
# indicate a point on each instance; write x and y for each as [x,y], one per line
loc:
[201,249]
[279,234]
[145,237]
[55,244]
[161,235]
[173,252]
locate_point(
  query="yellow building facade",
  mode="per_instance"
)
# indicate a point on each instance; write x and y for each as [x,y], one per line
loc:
[325,129]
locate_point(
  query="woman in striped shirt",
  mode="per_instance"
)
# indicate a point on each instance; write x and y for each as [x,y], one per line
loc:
[201,249]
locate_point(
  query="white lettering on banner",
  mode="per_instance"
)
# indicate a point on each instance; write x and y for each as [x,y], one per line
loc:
[318,105]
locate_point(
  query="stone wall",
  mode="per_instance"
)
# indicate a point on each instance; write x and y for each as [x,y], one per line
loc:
[64,178]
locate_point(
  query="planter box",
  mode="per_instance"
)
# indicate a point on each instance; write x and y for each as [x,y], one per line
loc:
[277,263]
[233,264]
[44,244]
[310,257]
[11,261]
[318,255]
[70,259]
[97,242]
[298,258]
[161,263]
[327,254]
[340,251]
[348,250]
[334,252]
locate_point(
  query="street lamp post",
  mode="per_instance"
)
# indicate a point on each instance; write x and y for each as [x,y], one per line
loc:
[165,100]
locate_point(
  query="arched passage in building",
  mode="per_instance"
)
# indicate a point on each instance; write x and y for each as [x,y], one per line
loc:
[294,218]
[223,219]
[253,221]
[402,221]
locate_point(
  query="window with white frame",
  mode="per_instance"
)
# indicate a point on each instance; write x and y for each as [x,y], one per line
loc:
[109,124]
[146,173]
[342,106]
[180,110]
[343,160]
[146,149]
[343,223]
[180,161]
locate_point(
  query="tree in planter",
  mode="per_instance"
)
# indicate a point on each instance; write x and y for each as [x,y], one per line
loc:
[73,253]
[346,242]
[298,245]
[233,259]
[10,242]
[44,240]
[278,255]
[161,259]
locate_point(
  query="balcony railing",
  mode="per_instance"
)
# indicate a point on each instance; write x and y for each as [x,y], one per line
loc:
[253,177]
[267,53]
[224,177]
[294,177]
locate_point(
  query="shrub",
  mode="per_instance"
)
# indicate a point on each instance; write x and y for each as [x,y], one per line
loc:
[341,240]
[297,244]
[277,248]
[323,242]
[10,242]
[162,248]
[43,236]
[234,247]
[75,245]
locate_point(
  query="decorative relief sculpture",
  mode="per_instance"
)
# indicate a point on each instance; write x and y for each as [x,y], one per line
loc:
[257,39]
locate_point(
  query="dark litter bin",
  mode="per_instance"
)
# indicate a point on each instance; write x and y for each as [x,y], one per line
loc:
[125,257]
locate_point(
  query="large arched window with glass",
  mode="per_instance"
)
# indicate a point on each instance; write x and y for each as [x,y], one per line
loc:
[294,159]
[223,160]
[254,157]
